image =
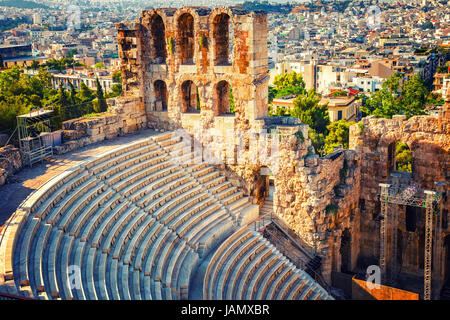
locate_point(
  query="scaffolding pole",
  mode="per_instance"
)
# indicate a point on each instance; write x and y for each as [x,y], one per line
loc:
[437,254]
[432,202]
[383,224]
[394,236]
[428,244]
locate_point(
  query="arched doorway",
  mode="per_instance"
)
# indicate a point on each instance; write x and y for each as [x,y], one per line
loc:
[190,97]
[346,251]
[161,95]
[222,28]
[186,38]
[158,31]
[224,98]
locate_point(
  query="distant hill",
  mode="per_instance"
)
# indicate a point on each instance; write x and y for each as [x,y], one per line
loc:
[24,4]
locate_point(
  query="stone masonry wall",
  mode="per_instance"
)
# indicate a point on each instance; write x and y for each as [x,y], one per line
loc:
[125,115]
[10,162]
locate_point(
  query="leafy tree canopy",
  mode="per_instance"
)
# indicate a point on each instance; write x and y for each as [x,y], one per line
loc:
[338,135]
[395,98]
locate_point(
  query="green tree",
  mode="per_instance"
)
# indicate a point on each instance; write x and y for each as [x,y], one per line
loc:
[101,105]
[307,109]
[99,65]
[338,135]
[116,91]
[395,99]
[413,97]
[403,157]
[317,140]
[289,83]
[117,76]
[231,100]
[85,96]
[35,65]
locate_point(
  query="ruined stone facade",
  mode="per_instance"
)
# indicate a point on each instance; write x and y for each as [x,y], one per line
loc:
[183,63]
[428,138]
[178,67]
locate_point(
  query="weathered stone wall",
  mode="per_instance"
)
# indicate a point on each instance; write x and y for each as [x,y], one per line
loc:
[125,115]
[247,74]
[429,142]
[10,162]
[318,199]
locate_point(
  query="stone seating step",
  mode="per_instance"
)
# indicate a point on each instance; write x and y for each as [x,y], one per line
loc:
[150,165]
[153,232]
[25,242]
[213,264]
[135,239]
[86,188]
[99,232]
[111,277]
[85,231]
[253,285]
[88,273]
[51,284]
[100,276]
[124,289]
[35,267]
[229,266]
[278,280]
[239,267]
[66,280]
[76,260]
[242,283]
[267,279]
[54,197]
[283,289]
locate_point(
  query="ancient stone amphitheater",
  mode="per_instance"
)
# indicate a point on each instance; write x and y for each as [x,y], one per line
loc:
[141,224]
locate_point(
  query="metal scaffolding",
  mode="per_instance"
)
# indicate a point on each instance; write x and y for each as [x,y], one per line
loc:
[410,196]
[35,138]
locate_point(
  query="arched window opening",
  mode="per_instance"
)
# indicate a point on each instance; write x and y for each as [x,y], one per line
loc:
[346,251]
[399,157]
[403,157]
[190,97]
[186,35]
[224,98]
[161,95]
[158,32]
[391,157]
[223,39]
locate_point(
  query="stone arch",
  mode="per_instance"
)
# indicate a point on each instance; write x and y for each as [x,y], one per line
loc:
[161,95]
[222,26]
[222,103]
[186,37]
[158,39]
[189,97]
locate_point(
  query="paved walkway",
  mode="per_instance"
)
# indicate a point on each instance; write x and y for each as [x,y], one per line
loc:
[30,179]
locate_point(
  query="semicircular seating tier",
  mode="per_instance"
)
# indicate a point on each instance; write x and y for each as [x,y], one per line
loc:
[144,221]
